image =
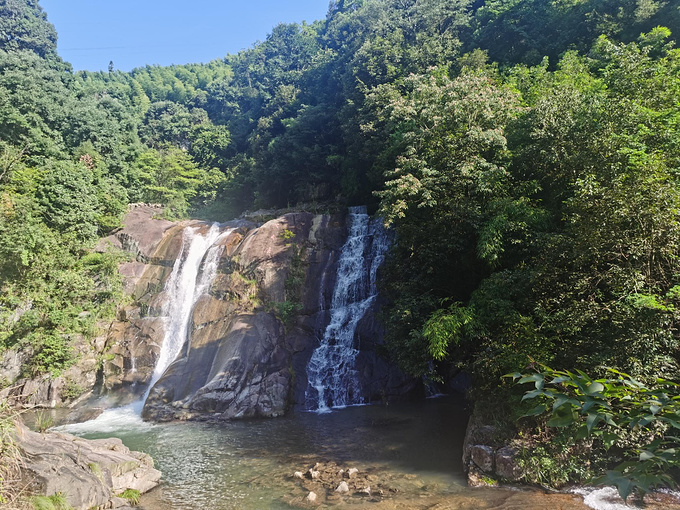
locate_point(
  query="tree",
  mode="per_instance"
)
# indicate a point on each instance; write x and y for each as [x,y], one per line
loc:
[451,155]
[24,26]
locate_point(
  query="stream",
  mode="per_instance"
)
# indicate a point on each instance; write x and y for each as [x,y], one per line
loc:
[410,452]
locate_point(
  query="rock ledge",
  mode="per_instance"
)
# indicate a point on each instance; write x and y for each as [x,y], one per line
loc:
[88,473]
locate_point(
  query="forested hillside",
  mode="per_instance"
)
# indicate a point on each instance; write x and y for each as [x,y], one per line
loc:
[525,152]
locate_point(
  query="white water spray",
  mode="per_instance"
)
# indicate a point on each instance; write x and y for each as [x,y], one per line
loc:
[192,274]
[191,277]
[333,379]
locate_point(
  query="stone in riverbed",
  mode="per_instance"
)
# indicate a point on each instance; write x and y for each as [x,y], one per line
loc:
[342,488]
[311,497]
[366,491]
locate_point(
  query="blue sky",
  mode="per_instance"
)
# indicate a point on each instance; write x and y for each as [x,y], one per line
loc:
[133,33]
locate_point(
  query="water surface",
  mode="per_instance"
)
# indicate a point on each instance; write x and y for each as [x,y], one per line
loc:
[412,452]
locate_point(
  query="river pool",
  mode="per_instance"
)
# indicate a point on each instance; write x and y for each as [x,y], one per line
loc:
[409,455]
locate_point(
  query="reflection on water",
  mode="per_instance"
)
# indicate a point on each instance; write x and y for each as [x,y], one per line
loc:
[412,449]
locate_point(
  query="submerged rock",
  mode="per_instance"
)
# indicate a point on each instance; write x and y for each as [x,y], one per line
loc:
[88,473]
[333,484]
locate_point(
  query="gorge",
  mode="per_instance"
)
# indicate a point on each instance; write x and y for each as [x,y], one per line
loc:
[523,156]
[204,341]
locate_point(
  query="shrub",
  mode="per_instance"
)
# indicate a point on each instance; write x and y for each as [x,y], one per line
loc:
[619,412]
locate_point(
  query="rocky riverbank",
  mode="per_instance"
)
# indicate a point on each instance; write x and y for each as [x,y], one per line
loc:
[87,473]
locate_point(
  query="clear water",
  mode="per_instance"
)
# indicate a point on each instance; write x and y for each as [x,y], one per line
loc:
[413,449]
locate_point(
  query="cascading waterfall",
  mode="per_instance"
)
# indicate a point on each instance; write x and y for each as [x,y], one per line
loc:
[191,277]
[192,274]
[332,378]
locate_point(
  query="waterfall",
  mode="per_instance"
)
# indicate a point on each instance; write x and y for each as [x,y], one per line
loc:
[192,274]
[332,378]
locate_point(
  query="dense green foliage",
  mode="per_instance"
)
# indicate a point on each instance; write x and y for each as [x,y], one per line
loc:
[525,152]
[610,411]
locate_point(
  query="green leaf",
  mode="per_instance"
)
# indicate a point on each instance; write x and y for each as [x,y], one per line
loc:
[539,409]
[560,400]
[646,455]
[514,375]
[531,378]
[581,433]
[592,420]
[609,438]
[532,394]
[594,388]
[561,379]
[624,485]
[562,418]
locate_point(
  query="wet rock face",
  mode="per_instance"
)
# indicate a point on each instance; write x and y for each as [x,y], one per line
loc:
[133,342]
[239,362]
[247,356]
[89,473]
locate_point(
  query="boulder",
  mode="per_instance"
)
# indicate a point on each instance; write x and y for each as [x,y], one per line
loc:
[483,457]
[506,464]
[89,473]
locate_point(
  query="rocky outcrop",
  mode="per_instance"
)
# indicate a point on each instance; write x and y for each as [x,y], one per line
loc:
[68,389]
[88,473]
[142,232]
[252,337]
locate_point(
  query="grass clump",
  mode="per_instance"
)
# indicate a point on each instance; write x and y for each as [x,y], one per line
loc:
[10,455]
[43,421]
[132,496]
[54,502]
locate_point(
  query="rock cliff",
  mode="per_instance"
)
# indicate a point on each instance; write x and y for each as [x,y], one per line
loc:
[252,336]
